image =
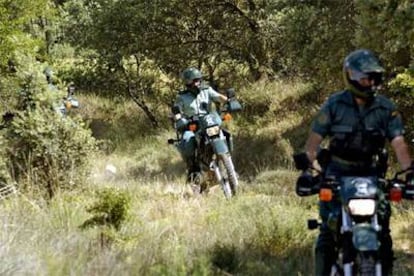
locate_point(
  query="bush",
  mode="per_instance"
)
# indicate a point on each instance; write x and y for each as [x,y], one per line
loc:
[111,209]
[48,151]
[402,91]
[44,149]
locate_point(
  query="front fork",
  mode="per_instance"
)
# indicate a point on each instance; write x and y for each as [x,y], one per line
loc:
[348,246]
[223,182]
[215,168]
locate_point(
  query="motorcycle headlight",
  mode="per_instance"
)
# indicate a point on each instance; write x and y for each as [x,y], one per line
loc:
[212,131]
[361,207]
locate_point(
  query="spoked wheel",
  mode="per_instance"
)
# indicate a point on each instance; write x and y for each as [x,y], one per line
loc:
[367,264]
[229,180]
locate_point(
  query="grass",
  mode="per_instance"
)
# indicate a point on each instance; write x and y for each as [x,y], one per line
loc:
[168,230]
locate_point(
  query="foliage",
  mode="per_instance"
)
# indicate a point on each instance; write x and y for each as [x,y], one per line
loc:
[138,48]
[402,90]
[111,209]
[316,36]
[47,151]
[23,28]
[387,27]
[5,177]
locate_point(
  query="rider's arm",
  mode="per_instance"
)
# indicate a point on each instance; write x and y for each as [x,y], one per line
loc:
[312,146]
[395,134]
[320,128]
[222,98]
[401,151]
[216,96]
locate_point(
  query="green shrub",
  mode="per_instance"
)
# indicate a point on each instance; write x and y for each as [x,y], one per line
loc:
[48,151]
[402,91]
[4,172]
[111,209]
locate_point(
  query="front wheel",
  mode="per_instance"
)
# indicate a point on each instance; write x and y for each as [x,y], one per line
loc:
[229,180]
[367,265]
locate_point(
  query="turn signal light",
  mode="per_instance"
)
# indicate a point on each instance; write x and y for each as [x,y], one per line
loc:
[395,194]
[325,194]
[227,117]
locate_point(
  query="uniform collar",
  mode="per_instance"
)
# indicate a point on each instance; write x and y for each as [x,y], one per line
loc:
[348,98]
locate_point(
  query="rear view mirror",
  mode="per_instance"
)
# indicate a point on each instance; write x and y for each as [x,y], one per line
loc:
[175,110]
[230,93]
[301,161]
[234,105]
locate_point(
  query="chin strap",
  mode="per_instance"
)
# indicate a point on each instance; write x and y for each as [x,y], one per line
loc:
[194,90]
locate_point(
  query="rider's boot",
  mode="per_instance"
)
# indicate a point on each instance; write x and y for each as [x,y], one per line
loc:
[194,175]
[386,254]
[324,254]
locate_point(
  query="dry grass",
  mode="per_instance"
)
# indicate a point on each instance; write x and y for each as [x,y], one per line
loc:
[170,231]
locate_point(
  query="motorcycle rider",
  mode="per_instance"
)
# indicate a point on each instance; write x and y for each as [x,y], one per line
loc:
[195,99]
[357,121]
[67,101]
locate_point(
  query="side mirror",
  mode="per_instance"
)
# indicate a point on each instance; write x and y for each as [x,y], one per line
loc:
[301,161]
[175,110]
[313,224]
[230,93]
[234,106]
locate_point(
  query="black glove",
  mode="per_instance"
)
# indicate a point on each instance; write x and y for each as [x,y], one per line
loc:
[409,185]
[302,161]
[306,184]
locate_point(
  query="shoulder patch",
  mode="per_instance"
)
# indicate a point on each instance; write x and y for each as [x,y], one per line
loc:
[322,118]
[395,113]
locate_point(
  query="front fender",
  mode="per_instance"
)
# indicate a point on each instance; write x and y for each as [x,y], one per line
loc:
[365,238]
[219,145]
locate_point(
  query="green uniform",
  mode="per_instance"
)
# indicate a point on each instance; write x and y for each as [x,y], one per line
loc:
[356,135]
[193,104]
[196,104]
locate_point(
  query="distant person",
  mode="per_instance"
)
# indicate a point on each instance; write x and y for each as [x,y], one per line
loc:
[194,100]
[68,102]
[358,121]
[49,74]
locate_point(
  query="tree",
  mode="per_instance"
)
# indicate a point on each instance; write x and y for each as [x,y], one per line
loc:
[387,27]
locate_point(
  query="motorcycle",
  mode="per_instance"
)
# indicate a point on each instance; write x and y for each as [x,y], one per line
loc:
[214,146]
[69,101]
[356,227]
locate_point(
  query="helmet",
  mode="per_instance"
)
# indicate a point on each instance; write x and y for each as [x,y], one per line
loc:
[191,74]
[361,64]
[49,74]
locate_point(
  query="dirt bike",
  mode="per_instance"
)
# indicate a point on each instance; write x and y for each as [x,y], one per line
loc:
[214,146]
[356,227]
[69,101]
